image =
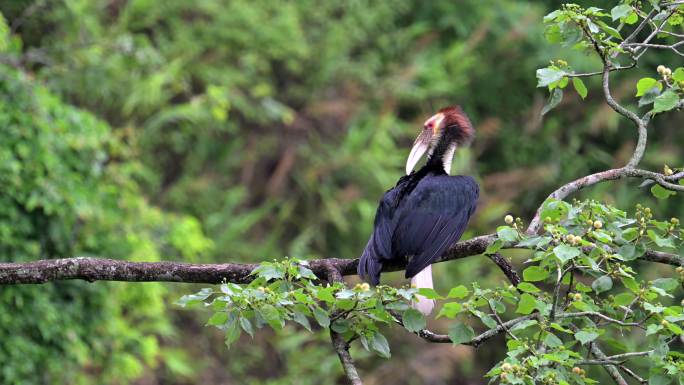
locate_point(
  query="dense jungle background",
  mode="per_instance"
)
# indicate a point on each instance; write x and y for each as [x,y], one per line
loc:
[230,130]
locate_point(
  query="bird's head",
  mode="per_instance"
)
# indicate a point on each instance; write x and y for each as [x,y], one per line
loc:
[441,134]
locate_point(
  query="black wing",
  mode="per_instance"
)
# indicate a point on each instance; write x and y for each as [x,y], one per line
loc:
[433,217]
[379,246]
[424,223]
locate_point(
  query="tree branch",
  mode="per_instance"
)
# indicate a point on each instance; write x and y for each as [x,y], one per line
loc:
[477,340]
[342,348]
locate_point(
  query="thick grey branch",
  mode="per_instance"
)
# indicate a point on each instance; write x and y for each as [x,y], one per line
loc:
[342,348]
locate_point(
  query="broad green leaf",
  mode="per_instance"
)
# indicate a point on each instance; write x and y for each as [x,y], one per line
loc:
[301,319]
[620,11]
[526,304]
[552,341]
[413,320]
[450,310]
[646,84]
[603,283]
[325,294]
[494,247]
[555,98]
[546,76]
[340,325]
[534,274]
[628,252]
[460,333]
[579,87]
[507,233]
[232,333]
[666,101]
[246,325]
[667,284]
[660,241]
[218,319]
[321,317]
[661,192]
[528,287]
[379,344]
[585,336]
[459,291]
[678,74]
[566,253]
[523,325]
[623,299]
[193,299]
[272,316]
[429,293]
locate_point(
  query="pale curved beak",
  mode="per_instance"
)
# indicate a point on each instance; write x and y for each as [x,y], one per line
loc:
[420,146]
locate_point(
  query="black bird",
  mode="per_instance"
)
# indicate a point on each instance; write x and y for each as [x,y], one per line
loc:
[427,210]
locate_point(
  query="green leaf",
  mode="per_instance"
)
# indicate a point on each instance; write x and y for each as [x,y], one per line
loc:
[566,253]
[459,291]
[555,98]
[628,252]
[660,241]
[528,287]
[623,299]
[321,317]
[534,274]
[678,74]
[413,320]
[218,319]
[526,304]
[460,333]
[523,325]
[603,283]
[646,84]
[494,247]
[666,101]
[546,76]
[620,11]
[552,341]
[272,316]
[246,325]
[269,271]
[661,192]
[429,293]
[667,284]
[584,336]
[450,310]
[232,333]
[507,233]
[325,294]
[379,345]
[193,299]
[579,87]
[301,319]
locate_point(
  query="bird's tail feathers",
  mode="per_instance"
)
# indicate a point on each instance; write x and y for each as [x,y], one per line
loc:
[369,268]
[423,280]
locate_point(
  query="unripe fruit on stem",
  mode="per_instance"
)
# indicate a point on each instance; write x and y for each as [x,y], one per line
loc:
[577,297]
[506,367]
[576,370]
[664,322]
[660,69]
[508,219]
[365,287]
[667,170]
[667,73]
[598,224]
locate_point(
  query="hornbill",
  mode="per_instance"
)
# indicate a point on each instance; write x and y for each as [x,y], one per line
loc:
[428,209]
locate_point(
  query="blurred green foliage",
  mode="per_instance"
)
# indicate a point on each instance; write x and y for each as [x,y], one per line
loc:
[232,130]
